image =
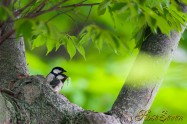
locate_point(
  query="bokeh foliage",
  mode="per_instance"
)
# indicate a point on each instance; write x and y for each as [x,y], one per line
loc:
[54,23]
[107,36]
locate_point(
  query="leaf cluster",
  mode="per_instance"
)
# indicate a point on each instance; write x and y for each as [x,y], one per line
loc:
[29,18]
[162,15]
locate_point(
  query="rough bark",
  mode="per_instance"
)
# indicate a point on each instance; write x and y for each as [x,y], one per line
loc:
[12,58]
[33,101]
[138,94]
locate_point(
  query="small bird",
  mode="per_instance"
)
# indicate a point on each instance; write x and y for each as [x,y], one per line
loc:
[56,78]
[58,82]
[54,72]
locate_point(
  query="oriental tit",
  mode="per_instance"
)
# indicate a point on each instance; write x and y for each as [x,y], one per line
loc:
[56,78]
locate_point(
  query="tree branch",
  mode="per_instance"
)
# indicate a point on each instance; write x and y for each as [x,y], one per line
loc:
[88,14]
[53,17]
[44,106]
[6,35]
[22,9]
[63,7]
[6,2]
[40,7]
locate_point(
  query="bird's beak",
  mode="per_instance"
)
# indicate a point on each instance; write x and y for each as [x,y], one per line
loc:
[65,71]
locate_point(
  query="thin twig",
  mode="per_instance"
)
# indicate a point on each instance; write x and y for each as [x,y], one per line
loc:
[88,14]
[41,12]
[22,9]
[60,8]
[57,5]
[40,6]
[70,16]
[78,5]
[53,17]
[28,11]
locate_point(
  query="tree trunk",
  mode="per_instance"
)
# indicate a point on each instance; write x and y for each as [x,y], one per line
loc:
[137,94]
[26,100]
[12,58]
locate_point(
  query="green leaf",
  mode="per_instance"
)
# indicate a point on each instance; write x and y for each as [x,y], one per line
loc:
[24,27]
[102,12]
[99,43]
[5,13]
[174,22]
[71,48]
[118,6]
[115,39]
[139,37]
[58,44]
[50,44]
[54,32]
[184,1]
[163,25]
[83,38]
[81,50]
[153,18]
[177,15]
[111,14]
[109,40]
[41,27]
[102,7]
[151,22]
[39,41]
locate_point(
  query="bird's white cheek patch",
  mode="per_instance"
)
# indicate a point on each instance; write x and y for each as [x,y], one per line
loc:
[60,77]
[56,71]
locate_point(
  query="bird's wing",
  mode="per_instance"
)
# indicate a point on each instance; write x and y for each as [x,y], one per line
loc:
[55,83]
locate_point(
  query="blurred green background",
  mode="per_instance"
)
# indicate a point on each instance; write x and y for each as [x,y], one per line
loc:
[97,80]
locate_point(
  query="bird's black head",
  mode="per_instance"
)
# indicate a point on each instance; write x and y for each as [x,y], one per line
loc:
[57,70]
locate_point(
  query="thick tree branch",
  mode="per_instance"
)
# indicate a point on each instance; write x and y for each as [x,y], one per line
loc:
[37,103]
[12,57]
